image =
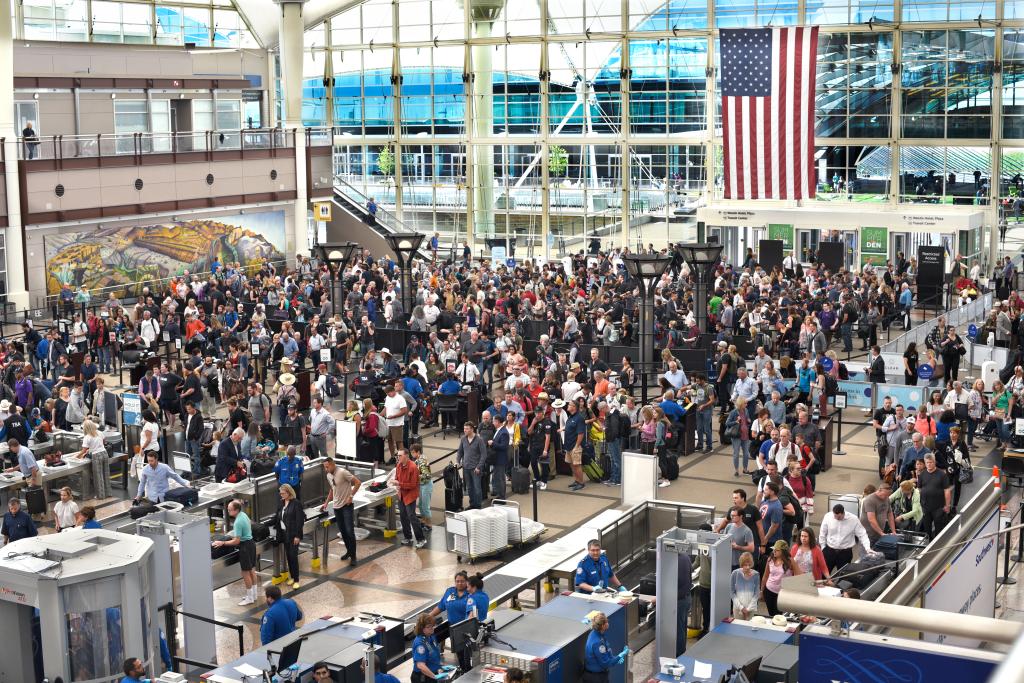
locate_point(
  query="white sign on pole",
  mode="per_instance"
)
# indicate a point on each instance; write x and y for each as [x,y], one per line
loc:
[968,584]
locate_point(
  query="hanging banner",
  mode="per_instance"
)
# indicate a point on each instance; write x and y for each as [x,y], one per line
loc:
[874,246]
[783,232]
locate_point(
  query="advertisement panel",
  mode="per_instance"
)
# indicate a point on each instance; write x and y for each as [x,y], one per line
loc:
[968,583]
[783,232]
[868,658]
[874,246]
[931,271]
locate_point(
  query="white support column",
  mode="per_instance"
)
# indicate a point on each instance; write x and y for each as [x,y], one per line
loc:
[17,283]
[291,36]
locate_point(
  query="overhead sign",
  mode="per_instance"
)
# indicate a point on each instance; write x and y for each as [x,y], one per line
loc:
[874,246]
[131,410]
[322,211]
[934,219]
[968,583]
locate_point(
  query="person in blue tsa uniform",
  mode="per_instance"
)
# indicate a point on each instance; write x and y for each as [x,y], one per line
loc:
[477,601]
[599,659]
[595,571]
[426,653]
[453,604]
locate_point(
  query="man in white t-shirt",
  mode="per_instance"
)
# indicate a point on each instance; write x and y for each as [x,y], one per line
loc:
[149,329]
[395,410]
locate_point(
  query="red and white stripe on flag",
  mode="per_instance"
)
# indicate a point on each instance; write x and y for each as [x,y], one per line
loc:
[769,140]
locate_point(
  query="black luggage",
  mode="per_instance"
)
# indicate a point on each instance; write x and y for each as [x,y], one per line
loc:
[224,550]
[520,480]
[649,584]
[35,500]
[260,532]
[142,509]
[669,466]
[452,488]
[858,575]
[261,466]
[186,495]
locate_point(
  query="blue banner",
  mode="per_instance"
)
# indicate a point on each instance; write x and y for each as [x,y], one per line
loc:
[910,397]
[860,658]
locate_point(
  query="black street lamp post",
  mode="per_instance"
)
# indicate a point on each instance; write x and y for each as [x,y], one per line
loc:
[646,270]
[405,246]
[701,258]
[337,255]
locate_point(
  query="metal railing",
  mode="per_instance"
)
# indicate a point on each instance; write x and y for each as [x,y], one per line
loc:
[384,219]
[956,317]
[58,147]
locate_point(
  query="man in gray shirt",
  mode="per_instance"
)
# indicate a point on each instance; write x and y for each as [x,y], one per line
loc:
[472,456]
[258,405]
[741,536]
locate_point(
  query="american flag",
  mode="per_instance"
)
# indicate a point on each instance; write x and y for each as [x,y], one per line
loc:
[768,112]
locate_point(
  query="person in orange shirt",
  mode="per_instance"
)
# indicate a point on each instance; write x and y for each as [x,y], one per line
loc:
[407,480]
[194,326]
[600,384]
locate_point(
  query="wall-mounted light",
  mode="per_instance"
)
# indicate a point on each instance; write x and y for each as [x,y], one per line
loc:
[113,95]
[35,96]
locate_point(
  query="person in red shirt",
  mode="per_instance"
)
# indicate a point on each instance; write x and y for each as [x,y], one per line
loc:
[193,327]
[407,479]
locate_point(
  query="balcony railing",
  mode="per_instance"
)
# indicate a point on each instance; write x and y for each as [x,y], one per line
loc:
[138,144]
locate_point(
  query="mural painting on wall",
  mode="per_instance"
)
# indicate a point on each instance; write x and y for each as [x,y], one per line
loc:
[100,260]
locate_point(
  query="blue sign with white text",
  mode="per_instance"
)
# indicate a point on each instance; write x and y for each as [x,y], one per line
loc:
[925,371]
[826,363]
[825,658]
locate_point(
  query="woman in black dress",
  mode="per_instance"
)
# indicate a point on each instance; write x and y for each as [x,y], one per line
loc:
[910,360]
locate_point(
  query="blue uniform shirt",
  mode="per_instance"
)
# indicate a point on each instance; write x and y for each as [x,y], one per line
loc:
[588,571]
[378,677]
[279,620]
[454,605]
[289,471]
[672,410]
[449,387]
[412,386]
[598,655]
[92,524]
[574,426]
[479,601]
[425,649]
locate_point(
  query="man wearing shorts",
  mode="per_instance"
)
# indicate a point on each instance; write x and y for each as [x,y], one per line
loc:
[575,431]
[241,535]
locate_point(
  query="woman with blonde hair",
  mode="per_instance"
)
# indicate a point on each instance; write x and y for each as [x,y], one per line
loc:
[737,428]
[95,450]
[905,502]
[64,510]
[288,522]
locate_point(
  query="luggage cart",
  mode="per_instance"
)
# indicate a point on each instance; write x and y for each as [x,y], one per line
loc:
[471,539]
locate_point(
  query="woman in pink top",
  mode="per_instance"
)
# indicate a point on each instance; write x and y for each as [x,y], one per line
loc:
[648,430]
[779,566]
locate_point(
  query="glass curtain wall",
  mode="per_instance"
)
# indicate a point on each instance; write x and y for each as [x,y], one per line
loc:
[214,23]
[556,122]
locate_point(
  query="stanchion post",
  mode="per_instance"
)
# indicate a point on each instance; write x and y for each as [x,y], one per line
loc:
[1019,557]
[1006,579]
[535,509]
[838,450]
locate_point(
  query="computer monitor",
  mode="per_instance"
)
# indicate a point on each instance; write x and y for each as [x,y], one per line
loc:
[289,654]
[463,632]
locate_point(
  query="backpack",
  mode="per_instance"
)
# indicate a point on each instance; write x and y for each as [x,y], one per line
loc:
[785,496]
[331,387]
[831,385]
[370,427]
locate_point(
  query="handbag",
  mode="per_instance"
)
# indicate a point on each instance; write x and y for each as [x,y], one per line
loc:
[966,474]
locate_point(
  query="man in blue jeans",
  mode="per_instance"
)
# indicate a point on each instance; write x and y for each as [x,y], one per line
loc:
[342,487]
[704,403]
[472,456]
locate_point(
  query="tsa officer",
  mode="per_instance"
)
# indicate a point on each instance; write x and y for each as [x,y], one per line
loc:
[599,659]
[453,603]
[426,653]
[595,571]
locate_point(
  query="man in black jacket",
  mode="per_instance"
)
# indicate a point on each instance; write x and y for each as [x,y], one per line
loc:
[194,437]
[876,368]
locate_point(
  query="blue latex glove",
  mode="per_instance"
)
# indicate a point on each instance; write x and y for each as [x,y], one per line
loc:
[599,586]
[625,651]
[620,660]
[441,676]
[622,589]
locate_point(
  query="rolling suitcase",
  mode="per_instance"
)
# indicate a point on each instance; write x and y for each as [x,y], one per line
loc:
[452,488]
[520,480]
[186,495]
[35,500]
[888,545]
[142,509]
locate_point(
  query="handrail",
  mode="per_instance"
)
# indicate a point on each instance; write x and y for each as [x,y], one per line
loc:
[385,218]
[56,147]
[954,316]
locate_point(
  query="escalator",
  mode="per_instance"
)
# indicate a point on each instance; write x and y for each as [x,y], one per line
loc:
[353,219]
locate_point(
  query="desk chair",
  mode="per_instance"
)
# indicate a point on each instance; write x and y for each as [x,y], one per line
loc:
[447,408]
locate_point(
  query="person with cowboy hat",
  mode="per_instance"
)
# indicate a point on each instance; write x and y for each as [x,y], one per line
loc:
[287,394]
